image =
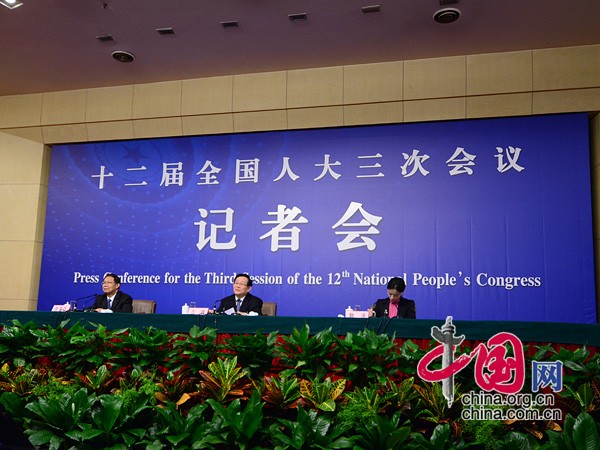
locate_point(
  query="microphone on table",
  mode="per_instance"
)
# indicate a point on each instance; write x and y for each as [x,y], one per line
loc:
[215,306]
[86,297]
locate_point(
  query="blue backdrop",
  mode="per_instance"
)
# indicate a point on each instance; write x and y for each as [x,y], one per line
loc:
[486,219]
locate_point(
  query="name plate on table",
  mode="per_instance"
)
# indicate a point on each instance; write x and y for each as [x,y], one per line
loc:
[358,314]
[198,311]
[61,308]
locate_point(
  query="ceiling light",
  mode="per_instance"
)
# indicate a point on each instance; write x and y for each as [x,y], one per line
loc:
[168,30]
[295,17]
[371,9]
[11,4]
[105,38]
[123,56]
[230,24]
[446,15]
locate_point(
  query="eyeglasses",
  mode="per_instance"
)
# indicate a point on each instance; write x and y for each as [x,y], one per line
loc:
[239,284]
[108,282]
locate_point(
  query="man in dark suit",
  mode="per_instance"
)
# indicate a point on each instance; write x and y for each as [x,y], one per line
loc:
[242,301]
[112,299]
[395,305]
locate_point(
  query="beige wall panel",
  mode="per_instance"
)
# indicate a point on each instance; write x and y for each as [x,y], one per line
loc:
[47,153]
[259,121]
[498,73]
[207,96]
[596,197]
[19,211]
[20,110]
[260,91]
[499,105]
[149,128]
[368,114]
[573,100]
[18,269]
[316,117]
[435,78]
[566,68]
[110,131]
[370,83]
[209,124]
[11,304]
[440,109]
[315,87]
[64,107]
[41,213]
[595,141]
[109,104]
[60,134]
[157,100]
[32,133]
[21,160]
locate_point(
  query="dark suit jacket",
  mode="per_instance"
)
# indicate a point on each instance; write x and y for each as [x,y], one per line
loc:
[250,303]
[406,308]
[121,303]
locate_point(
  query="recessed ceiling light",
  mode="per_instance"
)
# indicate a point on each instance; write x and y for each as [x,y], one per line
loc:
[371,9]
[11,4]
[168,30]
[446,15]
[123,56]
[105,38]
[230,24]
[296,17]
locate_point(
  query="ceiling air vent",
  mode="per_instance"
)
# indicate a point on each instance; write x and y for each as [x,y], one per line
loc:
[446,15]
[123,56]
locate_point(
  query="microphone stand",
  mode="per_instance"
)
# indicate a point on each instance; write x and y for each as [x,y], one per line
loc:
[86,297]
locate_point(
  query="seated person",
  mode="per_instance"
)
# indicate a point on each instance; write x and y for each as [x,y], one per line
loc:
[112,299]
[395,305]
[242,301]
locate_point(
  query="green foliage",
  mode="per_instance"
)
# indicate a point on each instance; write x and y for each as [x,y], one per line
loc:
[54,387]
[362,404]
[20,380]
[578,434]
[100,381]
[441,439]
[432,405]
[234,426]
[307,356]
[196,349]
[143,349]
[410,355]
[77,349]
[172,430]
[308,431]
[399,395]
[18,343]
[488,432]
[380,433]
[321,395]
[131,389]
[49,421]
[254,351]
[281,392]
[366,357]
[224,380]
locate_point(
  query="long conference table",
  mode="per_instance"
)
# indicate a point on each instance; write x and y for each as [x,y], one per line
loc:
[538,332]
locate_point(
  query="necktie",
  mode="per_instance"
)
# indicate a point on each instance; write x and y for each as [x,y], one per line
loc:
[238,304]
[110,303]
